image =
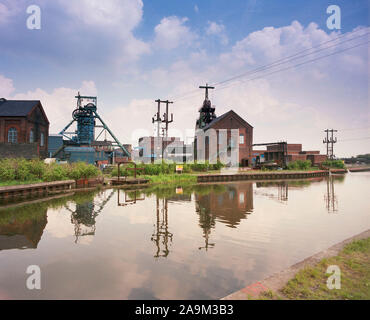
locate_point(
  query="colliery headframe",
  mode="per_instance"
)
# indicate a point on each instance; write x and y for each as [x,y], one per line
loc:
[83,144]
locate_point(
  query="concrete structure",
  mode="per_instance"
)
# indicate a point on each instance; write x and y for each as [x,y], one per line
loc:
[24,129]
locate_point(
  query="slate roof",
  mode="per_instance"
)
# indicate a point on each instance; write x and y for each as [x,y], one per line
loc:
[224,116]
[16,108]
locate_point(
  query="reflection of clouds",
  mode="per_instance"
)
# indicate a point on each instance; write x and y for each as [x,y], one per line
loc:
[86,240]
[59,223]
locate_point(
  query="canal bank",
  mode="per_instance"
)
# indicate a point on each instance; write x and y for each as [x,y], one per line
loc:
[274,285]
[45,189]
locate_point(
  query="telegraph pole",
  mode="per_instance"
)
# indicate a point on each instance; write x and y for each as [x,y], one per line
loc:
[165,117]
[330,143]
[157,116]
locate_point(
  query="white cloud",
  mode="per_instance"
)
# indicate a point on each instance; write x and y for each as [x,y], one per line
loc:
[123,13]
[115,19]
[196,9]
[6,87]
[218,30]
[172,32]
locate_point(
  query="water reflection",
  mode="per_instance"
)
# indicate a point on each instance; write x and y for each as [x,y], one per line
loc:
[201,241]
[129,198]
[225,203]
[84,216]
[161,236]
[21,231]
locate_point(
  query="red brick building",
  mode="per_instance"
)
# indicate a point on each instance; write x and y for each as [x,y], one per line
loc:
[232,121]
[294,152]
[24,129]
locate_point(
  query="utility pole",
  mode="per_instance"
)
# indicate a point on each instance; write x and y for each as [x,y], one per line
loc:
[330,143]
[157,116]
[165,117]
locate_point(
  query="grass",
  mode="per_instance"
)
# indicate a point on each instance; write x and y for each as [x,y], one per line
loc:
[171,178]
[16,183]
[310,282]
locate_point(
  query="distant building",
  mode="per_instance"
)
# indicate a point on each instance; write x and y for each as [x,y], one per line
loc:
[152,149]
[293,152]
[24,129]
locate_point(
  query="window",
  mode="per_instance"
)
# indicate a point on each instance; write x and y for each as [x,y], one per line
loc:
[32,139]
[42,139]
[241,198]
[12,135]
[241,139]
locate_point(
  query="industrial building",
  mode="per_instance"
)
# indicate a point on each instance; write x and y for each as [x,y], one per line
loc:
[280,152]
[24,129]
[227,122]
[152,149]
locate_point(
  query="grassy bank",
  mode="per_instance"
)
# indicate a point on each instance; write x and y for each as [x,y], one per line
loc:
[310,283]
[172,178]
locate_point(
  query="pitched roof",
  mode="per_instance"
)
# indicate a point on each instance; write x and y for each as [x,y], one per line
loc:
[210,125]
[16,108]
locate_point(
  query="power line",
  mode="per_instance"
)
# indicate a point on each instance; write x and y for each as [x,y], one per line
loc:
[356,139]
[283,60]
[352,129]
[290,67]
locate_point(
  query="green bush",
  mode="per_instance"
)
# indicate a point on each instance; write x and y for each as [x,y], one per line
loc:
[36,170]
[82,170]
[334,164]
[7,170]
[299,165]
[56,172]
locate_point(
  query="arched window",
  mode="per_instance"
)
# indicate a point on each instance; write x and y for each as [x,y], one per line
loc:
[42,139]
[32,138]
[12,135]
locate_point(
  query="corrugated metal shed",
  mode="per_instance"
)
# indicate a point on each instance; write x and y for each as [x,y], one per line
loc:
[75,154]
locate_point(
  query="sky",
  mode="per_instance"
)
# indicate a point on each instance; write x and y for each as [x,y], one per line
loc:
[132,52]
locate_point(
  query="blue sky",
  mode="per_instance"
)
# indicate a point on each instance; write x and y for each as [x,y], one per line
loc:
[131,52]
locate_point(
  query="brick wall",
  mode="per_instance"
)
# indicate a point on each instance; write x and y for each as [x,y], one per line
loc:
[19,150]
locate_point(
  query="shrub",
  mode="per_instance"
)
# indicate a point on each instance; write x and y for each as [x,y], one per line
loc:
[7,170]
[82,170]
[299,165]
[35,170]
[334,164]
[56,172]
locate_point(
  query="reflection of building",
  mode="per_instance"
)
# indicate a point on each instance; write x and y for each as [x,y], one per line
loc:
[161,235]
[229,207]
[282,189]
[22,234]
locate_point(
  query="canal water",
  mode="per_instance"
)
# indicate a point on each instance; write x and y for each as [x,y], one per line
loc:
[201,242]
